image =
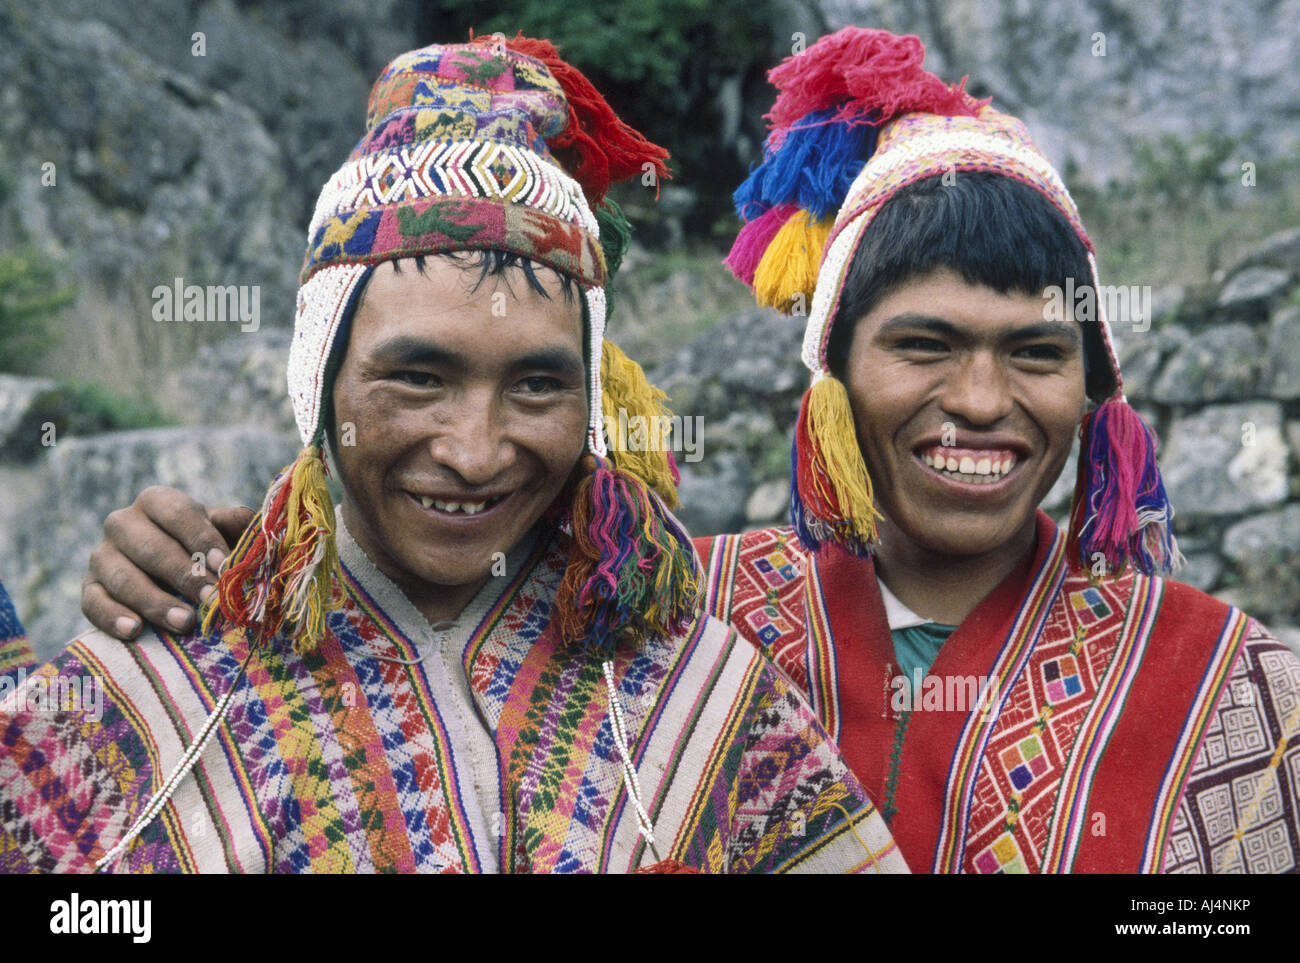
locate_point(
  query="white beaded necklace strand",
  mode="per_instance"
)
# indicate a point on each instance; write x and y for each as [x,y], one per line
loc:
[181,770]
[630,778]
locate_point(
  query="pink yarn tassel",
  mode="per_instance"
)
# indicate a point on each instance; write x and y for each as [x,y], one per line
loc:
[753,240]
[1120,508]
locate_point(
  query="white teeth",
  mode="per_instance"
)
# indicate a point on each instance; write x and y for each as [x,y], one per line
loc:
[984,471]
[467,508]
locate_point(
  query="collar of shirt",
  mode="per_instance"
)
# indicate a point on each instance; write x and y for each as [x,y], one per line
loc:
[898,615]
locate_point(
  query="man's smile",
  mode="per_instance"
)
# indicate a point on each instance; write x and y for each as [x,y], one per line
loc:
[458,507]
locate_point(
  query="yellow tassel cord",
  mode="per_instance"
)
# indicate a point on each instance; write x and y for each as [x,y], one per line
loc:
[625,388]
[285,566]
[787,273]
[837,460]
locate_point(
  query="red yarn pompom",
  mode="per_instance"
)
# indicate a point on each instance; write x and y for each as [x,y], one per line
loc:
[876,72]
[597,148]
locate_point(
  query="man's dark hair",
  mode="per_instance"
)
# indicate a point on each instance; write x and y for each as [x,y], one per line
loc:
[490,263]
[993,230]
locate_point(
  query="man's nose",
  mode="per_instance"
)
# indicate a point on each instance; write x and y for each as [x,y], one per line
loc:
[473,442]
[979,391]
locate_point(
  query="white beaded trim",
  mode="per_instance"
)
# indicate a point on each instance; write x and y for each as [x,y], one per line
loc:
[174,779]
[464,168]
[596,325]
[631,780]
[321,305]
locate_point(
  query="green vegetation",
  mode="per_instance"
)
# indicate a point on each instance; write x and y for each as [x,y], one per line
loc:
[94,408]
[31,298]
[1191,207]
[660,63]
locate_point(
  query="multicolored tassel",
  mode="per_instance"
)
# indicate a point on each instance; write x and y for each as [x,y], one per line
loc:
[831,497]
[283,569]
[1120,511]
[632,568]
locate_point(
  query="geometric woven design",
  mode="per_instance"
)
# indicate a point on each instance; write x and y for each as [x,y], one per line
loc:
[1239,811]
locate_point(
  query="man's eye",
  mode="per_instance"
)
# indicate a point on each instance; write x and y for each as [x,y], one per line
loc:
[538,385]
[1041,352]
[419,379]
[922,344]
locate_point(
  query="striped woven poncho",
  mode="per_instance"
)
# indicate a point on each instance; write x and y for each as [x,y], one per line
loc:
[1127,724]
[394,748]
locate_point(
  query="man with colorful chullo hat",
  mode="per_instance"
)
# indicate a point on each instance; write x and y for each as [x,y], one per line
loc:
[1017,699]
[491,657]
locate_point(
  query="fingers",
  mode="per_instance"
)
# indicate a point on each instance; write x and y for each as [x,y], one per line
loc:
[105,614]
[230,522]
[139,545]
[176,521]
[117,596]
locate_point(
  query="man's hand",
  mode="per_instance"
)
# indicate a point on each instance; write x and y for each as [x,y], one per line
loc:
[164,539]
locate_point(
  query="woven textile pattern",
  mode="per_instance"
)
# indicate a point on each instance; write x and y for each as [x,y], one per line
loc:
[1138,725]
[337,761]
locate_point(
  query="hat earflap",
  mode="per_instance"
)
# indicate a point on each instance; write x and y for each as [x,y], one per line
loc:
[831,497]
[632,569]
[1120,511]
[284,567]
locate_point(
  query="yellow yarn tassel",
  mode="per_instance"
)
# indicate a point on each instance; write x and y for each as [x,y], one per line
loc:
[285,566]
[625,389]
[787,274]
[837,458]
[311,559]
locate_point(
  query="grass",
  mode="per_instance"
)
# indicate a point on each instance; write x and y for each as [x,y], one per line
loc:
[670,299]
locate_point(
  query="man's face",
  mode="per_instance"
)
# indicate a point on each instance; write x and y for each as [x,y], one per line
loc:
[468,420]
[966,402]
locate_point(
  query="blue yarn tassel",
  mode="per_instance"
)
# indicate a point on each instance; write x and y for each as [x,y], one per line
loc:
[812,167]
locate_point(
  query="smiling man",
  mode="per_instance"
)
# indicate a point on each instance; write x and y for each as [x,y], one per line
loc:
[491,657]
[1017,698]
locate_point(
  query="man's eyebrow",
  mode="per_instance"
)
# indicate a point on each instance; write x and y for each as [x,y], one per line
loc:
[1038,329]
[404,349]
[560,361]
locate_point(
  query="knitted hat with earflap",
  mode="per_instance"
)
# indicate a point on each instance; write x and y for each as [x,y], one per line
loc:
[493,144]
[857,119]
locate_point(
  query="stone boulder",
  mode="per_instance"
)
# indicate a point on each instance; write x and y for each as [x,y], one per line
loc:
[1227,460]
[1265,553]
[1219,364]
[83,479]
